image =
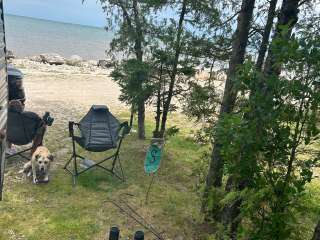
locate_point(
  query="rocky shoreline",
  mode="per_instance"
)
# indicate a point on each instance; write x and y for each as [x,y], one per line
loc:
[55,65]
[56,59]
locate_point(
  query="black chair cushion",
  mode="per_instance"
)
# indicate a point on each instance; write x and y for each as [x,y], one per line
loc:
[22,126]
[99,130]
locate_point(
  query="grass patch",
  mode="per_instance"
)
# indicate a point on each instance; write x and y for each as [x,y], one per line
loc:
[59,211]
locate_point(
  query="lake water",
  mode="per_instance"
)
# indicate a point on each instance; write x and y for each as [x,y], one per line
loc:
[29,36]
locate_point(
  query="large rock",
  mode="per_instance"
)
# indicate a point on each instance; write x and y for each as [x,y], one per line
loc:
[93,63]
[35,59]
[52,58]
[89,64]
[10,54]
[75,60]
[105,63]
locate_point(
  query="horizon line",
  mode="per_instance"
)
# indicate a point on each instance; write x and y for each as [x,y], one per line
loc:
[54,21]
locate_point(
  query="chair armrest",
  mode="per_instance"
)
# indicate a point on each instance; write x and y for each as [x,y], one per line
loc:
[124,129]
[71,131]
[71,128]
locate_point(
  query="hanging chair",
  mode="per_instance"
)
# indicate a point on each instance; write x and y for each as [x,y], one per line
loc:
[99,131]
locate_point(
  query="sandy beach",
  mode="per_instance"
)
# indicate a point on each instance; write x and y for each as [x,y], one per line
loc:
[58,86]
[53,87]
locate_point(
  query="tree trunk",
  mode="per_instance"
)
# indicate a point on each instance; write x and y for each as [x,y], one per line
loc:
[231,212]
[288,16]
[141,118]
[316,234]
[230,215]
[265,42]
[167,103]
[131,116]
[239,44]
[158,115]
[156,133]
[139,55]
[138,32]
[266,34]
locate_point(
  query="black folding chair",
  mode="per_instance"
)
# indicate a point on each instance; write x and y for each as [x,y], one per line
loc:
[100,131]
[22,129]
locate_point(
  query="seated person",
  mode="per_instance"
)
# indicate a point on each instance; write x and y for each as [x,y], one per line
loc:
[24,127]
[16,90]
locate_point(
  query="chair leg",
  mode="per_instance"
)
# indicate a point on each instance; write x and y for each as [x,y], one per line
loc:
[75,175]
[74,180]
[75,165]
[74,171]
[121,169]
[67,163]
[20,153]
[38,139]
[121,174]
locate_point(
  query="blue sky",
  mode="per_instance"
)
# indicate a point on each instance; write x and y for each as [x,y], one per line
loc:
[71,11]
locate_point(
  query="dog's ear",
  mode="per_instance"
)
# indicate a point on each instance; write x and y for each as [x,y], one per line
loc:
[36,157]
[50,157]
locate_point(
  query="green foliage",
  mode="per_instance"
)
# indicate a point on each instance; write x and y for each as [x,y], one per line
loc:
[201,103]
[172,131]
[199,170]
[120,16]
[264,139]
[275,119]
[133,78]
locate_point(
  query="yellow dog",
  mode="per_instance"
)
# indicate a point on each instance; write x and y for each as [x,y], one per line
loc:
[39,165]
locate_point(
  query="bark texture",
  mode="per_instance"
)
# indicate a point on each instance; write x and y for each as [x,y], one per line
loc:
[141,117]
[288,16]
[239,44]
[266,34]
[139,55]
[166,106]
